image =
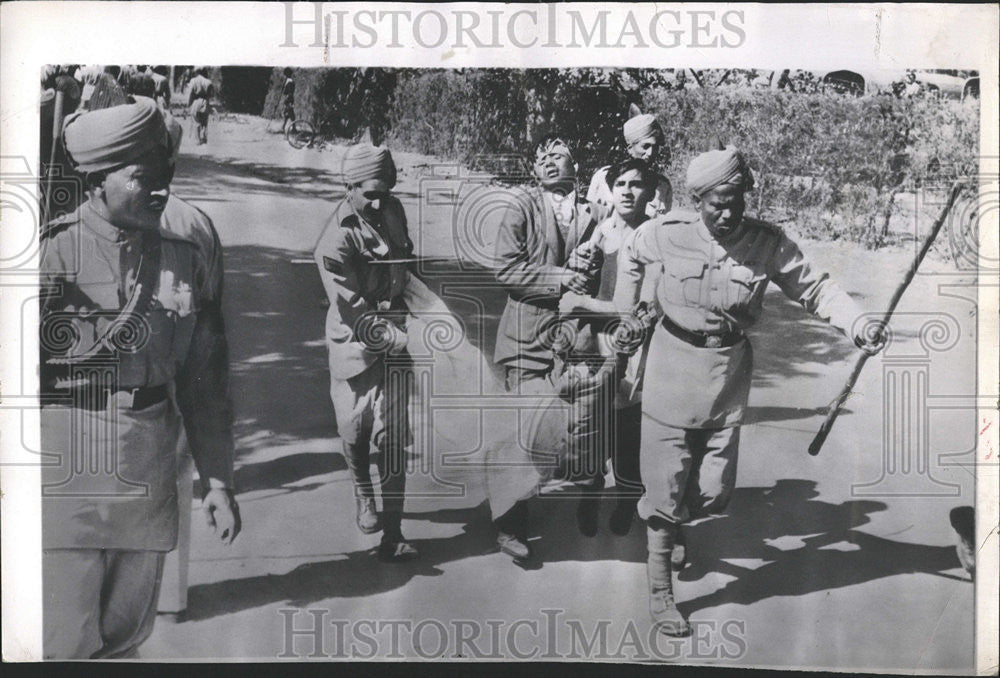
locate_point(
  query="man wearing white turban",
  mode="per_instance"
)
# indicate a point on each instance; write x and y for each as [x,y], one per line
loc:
[132,347]
[644,141]
[366,338]
[716,265]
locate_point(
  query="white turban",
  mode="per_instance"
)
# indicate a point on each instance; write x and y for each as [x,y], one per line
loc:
[641,127]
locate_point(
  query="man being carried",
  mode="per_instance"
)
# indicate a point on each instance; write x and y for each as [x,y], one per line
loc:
[537,236]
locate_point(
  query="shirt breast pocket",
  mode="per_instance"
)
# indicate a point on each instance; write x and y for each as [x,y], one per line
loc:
[745,283]
[684,279]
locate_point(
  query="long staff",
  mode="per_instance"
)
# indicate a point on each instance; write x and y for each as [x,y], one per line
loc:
[838,404]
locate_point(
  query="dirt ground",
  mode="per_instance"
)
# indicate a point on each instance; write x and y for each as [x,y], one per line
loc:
[843,560]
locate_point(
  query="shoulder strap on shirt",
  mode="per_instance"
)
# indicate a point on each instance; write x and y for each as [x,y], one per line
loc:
[121,331]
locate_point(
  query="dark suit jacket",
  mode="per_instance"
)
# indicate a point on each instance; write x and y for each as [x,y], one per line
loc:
[531,255]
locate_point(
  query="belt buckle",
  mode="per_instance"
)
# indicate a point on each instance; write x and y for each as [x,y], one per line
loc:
[123,399]
[713,341]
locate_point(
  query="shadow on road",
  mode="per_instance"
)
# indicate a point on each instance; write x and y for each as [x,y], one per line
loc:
[204,177]
[274,322]
[787,339]
[807,546]
[356,574]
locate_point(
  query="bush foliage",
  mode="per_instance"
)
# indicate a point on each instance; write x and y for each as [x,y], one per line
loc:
[833,163]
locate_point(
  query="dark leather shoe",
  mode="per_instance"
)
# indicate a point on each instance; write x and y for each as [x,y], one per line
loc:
[513,547]
[396,550]
[367,516]
[621,518]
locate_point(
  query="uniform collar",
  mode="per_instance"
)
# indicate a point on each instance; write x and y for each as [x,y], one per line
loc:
[104,229]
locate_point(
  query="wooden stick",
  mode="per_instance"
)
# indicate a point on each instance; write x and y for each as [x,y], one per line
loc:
[838,404]
[57,120]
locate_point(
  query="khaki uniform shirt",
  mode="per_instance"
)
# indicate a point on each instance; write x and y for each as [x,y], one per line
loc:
[354,287]
[89,273]
[708,287]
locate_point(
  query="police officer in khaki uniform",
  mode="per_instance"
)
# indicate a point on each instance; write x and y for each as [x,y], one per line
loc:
[716,266]
[132,348]
[366,338]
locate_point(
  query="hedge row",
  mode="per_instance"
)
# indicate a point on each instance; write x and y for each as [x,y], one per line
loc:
[834,163]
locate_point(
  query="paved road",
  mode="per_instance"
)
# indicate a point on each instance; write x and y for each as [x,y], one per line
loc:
[844,560]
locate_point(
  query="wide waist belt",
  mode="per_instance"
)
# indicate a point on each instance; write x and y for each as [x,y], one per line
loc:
[96,398]
[702,339]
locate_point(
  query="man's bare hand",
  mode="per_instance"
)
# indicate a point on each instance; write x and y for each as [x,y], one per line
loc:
[222,514]
[579,283]
[582,257]
[571,302]
[870,341]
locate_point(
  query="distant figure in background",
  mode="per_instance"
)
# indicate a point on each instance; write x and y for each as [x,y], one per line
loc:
[199,103]
[287,101]
[87,76]
[140,82]
[785,80]
[680,80]
[161,86]
[644,138]
[909,87]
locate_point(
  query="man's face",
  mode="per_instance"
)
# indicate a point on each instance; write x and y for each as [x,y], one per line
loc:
[554,166]
[368,197]
[647,149]
[630,195]
[722,209]
[136,195]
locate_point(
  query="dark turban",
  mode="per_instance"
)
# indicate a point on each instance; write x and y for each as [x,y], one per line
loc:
[364,161]
[716,168]
[114,137]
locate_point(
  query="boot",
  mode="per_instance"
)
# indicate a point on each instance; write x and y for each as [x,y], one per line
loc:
[678,557]
[367,516]
[394,548]
[666,616]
